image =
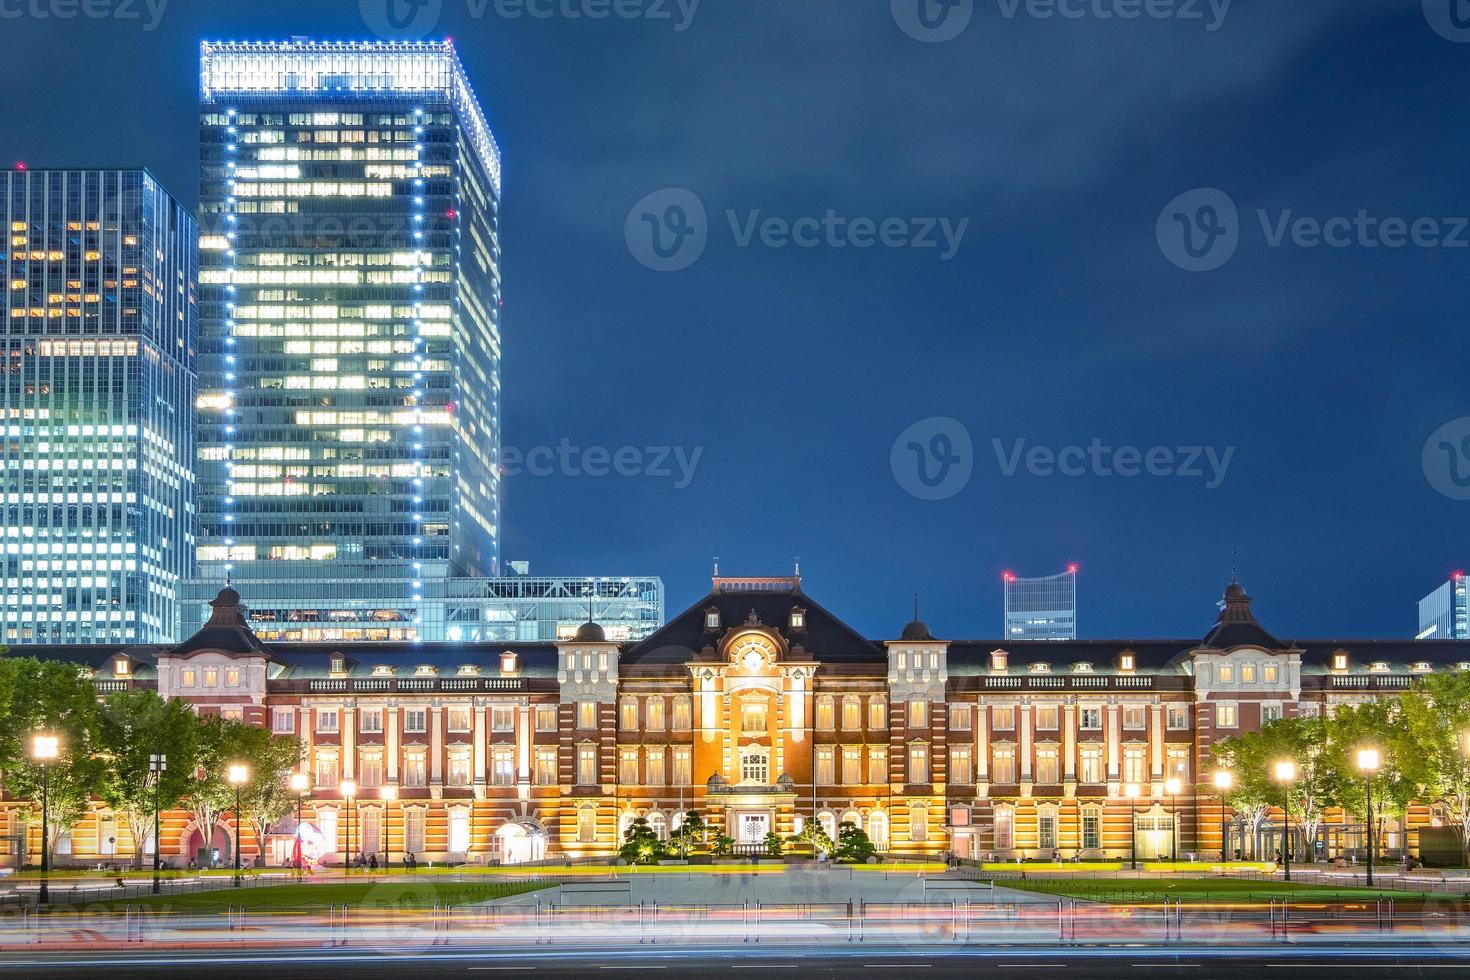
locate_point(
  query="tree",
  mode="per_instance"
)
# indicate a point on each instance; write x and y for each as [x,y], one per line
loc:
[209,794]
[268,797]
[814,836]
[853,845]
[691,833]
[1433,733]
[133,726]
[1252,758]
[775,844]
[640,844]
[1373,724]
[723,844]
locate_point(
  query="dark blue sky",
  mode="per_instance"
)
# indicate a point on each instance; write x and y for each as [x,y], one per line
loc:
[1059,321]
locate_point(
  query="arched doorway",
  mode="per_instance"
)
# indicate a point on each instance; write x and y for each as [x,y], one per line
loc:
[521,841]
[217,853]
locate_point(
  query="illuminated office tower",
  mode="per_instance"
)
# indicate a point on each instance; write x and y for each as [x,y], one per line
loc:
[1042,608]
[350,315]
[97,399]
[1444,614]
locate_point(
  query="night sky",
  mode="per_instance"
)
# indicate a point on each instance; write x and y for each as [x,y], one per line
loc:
[1060,319]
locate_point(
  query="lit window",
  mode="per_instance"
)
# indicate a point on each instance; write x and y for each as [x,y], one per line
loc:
[587,765]
[1003,719]
[1125,662]
[961,771]
[877,713]
[1046,718]
[999,660]
[1339,661]
[1227,716]
[959,717]
[586,714]
[825,720]
[546,718]
[918,714]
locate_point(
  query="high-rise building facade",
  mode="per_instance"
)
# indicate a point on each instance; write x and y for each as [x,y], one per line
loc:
[350,315]
[97,399]
[1444,614]
[1041,608]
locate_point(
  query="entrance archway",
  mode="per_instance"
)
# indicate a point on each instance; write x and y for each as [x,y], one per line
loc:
[521,842]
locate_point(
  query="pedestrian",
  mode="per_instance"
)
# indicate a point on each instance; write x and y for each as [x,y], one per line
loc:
[373,862]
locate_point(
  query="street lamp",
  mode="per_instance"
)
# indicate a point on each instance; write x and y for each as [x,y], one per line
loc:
[45,749]
[1224,779]
[1171,786]
[299,784]
[157,764]
[387,794]
[349,790]
[239,776]
[1131,791]
[1369,762]
[1285,771]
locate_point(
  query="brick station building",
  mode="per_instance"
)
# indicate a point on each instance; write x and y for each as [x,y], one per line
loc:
[761,710]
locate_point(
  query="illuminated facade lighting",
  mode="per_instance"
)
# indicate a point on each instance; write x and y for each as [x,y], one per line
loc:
[97,406]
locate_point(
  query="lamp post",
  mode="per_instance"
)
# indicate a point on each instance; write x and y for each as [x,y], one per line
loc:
[45,749]
[299,784]
[239,776]
[1224,779]
[1369,762]
[349,790]
[1285,771]
[157,764]
[1172,786]
[1131,791]
[387,794]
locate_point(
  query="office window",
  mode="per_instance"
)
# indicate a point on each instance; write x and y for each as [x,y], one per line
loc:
[1091,830]
[1176,717]
[1092,764]
[415,721]
[1135,768]
[1046,718]
[587,765]
[546,717]
[587,826]
[283,721]
[959,717]
[826,766]
[654,761]
[502,719]
[1135,718]
[825,720]
[653,714]
[1227,715]
[877,764]
[502,766]
[1089,719]
[1003,766]
[683,714]
[370,721]
[918,763]
[628,714]
[413,830]
[961,768]
[413,770]
[918,714]
[1046,765]
[546,767]
[459,768]
[326,720]
[852,765]
[459,718]
[852,714]
[877,713]
[683,766]
[1003,719]
[586,715]
[628,767]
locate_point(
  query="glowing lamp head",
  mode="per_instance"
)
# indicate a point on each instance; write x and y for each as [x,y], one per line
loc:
[1131,791]
[239,774]
[1285,771]
[1224,779]
[45,748]
[1172,787]
[348,789]
[388,793]
[299,782]
[1369,760]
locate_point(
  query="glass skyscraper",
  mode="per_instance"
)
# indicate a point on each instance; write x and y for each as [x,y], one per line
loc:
[350,316]
[97,401]
[1042,608]
[1444,614]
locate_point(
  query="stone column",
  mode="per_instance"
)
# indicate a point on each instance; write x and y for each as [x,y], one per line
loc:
[349,742]
[390,727]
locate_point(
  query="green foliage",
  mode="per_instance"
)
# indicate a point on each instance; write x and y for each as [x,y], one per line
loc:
[853,845]
[1433,751]
[133,726]
[640,844]
[691,834]
[815,837]
[722,845]
[58,699]
[775,844]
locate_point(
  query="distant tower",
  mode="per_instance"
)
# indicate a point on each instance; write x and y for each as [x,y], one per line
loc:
[1042,608]
[1444,614]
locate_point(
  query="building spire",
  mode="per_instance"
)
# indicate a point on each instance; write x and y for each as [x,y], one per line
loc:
[916,607]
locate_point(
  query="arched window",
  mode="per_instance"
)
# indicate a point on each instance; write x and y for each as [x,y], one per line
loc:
[828,824]
[659,824]
[878,829]
[854,818]
[625,820]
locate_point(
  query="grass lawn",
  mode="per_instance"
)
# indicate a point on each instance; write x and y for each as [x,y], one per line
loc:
[316,897]
[1144,890]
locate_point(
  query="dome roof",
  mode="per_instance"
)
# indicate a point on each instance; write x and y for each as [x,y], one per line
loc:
[916,631]
[589,632]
